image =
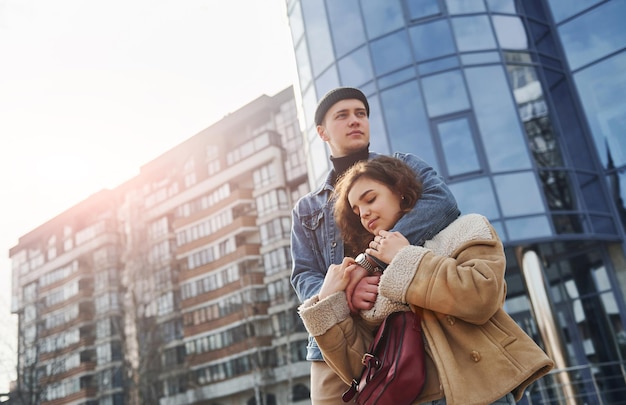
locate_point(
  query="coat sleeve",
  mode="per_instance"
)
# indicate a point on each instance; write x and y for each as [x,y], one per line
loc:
[343,339]
[435,209]
[459,273]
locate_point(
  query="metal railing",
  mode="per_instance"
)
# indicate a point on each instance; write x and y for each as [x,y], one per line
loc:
[591,384]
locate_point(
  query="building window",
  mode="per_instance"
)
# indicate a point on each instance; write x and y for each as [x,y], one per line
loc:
[30,292]
[90,232]
[219,340]
[52,247]
[165,303]
[58,274]
[422,36]
[213,167]
[200,258]
[382,17]
[356,67]
[30,313]
[594,35]
[497,118]
[160,253]
[62,316]
[419,9]
[264,175]
[68,242]
[60,341]
[391,53]
[272,201]
[106,302]
[189,172]
[276,229]
[103,353]
[213,159]
[61,389]
[190,179]
[61,294]
[346,36]
[277,260]
[445,94]
[210,282]
[473,33]
[36,258]
[103,328]
[158,228]
[458,143]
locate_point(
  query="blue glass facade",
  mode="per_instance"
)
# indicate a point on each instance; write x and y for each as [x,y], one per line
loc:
[521,105]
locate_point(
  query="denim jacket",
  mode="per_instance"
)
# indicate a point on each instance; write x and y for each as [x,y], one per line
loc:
[316,242]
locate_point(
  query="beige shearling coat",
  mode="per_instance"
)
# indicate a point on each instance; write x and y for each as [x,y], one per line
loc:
[476,352]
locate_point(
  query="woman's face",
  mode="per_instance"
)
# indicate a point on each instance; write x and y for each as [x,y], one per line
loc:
[375,203]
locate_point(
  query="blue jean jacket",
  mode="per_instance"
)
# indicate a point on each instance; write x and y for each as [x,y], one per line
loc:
[316,242]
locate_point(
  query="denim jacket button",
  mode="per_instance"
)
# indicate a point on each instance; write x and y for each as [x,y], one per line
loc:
[334,244]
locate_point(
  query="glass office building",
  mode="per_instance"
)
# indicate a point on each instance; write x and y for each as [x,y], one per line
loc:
[521,106]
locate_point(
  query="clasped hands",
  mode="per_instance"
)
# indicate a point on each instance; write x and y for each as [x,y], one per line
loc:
[360,286]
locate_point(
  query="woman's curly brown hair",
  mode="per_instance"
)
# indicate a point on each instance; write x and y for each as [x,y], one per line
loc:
[393,173]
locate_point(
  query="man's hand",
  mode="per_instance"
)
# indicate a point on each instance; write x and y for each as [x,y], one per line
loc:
[362,290]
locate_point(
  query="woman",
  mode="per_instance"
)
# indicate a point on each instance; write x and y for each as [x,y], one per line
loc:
[476,353]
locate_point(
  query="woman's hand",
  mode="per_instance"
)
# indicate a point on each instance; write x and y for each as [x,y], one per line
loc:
[386,245]
[337,277]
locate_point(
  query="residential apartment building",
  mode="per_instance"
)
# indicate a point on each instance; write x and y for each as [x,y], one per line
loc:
[521,106]
[174,287]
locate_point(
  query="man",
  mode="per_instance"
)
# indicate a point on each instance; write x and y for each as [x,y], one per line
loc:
[342,119]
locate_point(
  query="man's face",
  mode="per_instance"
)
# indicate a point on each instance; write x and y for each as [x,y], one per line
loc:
[346,127]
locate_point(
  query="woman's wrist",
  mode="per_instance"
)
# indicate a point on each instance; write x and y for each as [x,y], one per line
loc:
[369,263]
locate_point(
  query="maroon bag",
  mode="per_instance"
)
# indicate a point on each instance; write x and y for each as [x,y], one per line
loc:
[394,371]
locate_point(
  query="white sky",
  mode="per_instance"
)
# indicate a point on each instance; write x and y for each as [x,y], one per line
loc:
[92,90]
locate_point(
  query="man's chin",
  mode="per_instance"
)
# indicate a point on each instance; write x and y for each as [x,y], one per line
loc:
[358,145]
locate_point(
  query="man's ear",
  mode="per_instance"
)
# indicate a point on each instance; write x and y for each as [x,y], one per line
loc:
[321,131]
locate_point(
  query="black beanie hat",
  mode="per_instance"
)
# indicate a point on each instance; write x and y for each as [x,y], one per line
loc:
[335,95]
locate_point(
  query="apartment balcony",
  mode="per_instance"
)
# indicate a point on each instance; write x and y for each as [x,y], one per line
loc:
[82,368]
[87,341]
[235,195]
[238,226]
[245,280]
[85,315]
[239,347]
[83,272]
[239,253]
[233,318]
[85,393]
[85,293]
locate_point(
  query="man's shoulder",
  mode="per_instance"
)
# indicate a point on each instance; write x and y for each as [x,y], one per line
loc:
[404,156]
[312,201]
[407,157]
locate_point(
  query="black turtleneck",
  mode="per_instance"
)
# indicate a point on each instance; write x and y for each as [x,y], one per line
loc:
[342,164]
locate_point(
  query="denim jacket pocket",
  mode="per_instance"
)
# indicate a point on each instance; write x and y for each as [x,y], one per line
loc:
[313,221]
